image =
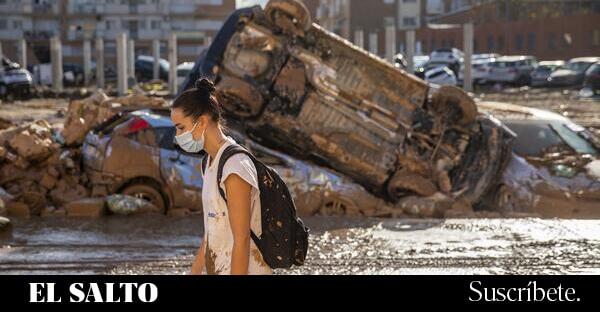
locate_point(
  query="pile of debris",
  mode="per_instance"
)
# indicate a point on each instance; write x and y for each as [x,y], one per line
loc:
[40,167]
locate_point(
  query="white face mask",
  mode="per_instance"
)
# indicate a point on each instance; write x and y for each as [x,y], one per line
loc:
[187,143]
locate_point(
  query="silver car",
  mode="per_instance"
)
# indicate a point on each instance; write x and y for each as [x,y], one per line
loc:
[512,69]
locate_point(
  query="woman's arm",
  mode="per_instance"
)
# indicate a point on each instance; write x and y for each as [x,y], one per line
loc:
[238,205]
[198,265]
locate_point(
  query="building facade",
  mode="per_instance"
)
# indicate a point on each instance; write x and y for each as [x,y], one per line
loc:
[194,21]
[551,29]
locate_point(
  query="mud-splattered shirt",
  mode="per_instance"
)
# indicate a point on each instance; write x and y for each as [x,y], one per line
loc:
[218,234]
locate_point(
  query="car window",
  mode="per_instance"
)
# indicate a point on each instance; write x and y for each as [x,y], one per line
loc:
[574,139]
[535,137]
[594,69]
[165,136]
[578,66]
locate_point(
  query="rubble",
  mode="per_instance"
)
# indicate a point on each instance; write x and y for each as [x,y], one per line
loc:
[40,167]
[83,115]
[127,205]
[18,209]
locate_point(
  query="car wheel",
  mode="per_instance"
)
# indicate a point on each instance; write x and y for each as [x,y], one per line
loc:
[147,192]
[291,16]
[239,97]
[336,206]
[455,104]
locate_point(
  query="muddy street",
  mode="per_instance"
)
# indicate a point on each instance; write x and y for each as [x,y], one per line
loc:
[166,245]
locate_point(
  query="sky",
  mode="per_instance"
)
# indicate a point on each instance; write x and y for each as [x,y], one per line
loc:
[247,3]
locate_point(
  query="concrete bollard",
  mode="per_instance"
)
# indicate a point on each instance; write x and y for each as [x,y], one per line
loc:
[87,62]
[57,64]
[156,55]
[23,53]
[131,59]
[410,51]
[468,50]
[173,63]
[100,63]
[122,64]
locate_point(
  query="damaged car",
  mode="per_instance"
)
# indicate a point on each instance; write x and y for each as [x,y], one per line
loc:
[300,89]
[14,80]
[555,170]
[134,153]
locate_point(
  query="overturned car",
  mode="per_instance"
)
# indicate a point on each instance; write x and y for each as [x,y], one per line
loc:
[294,86]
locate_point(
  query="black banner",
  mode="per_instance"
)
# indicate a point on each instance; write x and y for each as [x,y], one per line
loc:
[337,291]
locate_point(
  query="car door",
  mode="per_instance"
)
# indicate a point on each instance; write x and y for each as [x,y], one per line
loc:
[181,171]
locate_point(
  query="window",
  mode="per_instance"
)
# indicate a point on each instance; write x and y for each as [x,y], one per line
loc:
[500,43]
[490,43]
[409,21]
[519,42]
[389,1]
[155,24]
[531,41]
[17,24]
[552,41]
[596,37]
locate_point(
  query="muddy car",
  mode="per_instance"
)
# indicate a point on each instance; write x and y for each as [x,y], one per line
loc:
[134,154]
[300,89]
[555,171]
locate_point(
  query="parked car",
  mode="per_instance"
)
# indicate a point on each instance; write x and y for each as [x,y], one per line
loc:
[592,78]
[302,90]
[573,73]
[441,75]
[480,67]
[144,68]
[453,57]
[512,69]
[14,80]
[73,74]
[183,71]
[540,75]
[555,171]
[134,153]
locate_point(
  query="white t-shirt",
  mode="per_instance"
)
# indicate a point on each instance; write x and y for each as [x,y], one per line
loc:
[216,217]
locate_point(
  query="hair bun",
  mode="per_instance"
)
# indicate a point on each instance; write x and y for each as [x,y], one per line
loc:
[205,85]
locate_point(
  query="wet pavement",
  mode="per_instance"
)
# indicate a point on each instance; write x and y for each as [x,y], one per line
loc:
[166,245]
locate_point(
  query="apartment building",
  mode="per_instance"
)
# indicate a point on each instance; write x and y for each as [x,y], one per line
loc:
[194,21]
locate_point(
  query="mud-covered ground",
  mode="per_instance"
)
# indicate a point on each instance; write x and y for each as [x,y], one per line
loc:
[166,245]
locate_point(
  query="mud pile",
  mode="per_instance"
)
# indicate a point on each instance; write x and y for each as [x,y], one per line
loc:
[40,167]
[83,115]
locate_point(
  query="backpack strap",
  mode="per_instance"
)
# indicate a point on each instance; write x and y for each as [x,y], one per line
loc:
[228,153]
[203,164]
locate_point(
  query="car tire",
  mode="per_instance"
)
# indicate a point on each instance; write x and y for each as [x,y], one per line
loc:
[239,97]
[147,191]
[337,207]
[449,99]
[291,16]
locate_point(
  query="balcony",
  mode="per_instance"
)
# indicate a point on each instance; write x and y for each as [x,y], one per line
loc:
[11,34]
[44,8]
[38,34]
